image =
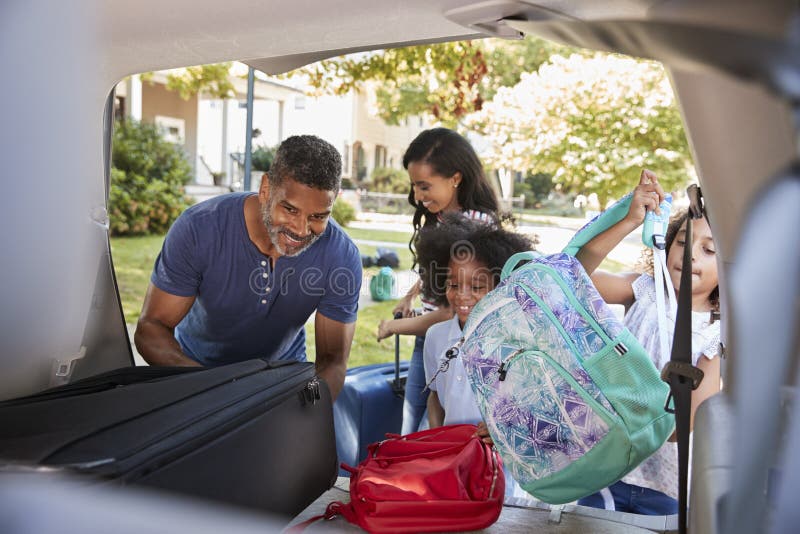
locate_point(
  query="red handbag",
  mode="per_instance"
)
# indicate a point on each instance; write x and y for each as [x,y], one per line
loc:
[443,479]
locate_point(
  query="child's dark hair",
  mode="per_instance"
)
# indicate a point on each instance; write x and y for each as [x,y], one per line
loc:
[462,239]
[676,222]
[447,152]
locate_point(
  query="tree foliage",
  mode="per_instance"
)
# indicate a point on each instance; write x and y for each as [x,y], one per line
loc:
[213,80]
[535,187]
[262,157]
[147,179]
[342,212]
[592,121]
[446,81]
[388,180]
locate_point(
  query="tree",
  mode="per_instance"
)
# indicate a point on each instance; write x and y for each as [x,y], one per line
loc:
[147,179]
[262,157]
[388,180]
[535,187]
[445,80]
[592,121]
[211,79]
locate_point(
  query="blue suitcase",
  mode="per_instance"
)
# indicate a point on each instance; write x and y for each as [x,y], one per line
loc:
[369,405]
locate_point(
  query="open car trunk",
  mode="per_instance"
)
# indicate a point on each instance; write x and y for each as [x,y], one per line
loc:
[735,68]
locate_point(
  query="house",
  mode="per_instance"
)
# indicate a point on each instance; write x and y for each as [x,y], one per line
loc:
[212,130]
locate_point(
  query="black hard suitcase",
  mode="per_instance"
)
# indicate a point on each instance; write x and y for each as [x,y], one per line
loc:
[254,434]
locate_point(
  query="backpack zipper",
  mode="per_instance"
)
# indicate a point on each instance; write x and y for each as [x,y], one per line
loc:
[444,365]
[608,416]
[503,370]
[553,320]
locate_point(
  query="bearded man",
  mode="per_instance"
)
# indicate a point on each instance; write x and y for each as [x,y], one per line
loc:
[239,275]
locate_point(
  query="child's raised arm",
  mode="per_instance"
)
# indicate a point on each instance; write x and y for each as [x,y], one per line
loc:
[616,288]
[647,196]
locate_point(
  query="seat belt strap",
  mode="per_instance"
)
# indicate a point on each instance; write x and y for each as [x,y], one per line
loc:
[679,372]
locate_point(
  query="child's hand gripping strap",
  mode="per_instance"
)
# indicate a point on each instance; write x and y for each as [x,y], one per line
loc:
[655,223]
[655,228]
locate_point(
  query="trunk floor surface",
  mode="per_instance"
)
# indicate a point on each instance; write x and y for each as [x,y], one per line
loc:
[518,516]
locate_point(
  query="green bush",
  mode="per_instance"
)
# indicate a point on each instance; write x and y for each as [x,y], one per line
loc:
[535,187]
[342,212]
[147,179]
[262,158]
[388,180]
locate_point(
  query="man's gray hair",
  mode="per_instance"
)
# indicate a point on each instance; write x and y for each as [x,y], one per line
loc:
[309,160]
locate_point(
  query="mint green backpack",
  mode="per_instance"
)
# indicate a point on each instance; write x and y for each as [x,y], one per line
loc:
[382,285]
[571,399]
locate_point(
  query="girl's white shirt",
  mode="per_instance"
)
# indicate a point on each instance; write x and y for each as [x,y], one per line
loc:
[660,471]
[452,385]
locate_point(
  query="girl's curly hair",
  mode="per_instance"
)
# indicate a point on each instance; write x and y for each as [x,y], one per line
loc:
[645,263]
[461,239]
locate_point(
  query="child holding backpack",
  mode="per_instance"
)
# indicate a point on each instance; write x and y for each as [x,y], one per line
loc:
[651,488]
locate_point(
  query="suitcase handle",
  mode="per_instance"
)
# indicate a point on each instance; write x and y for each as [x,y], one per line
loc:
[398,386]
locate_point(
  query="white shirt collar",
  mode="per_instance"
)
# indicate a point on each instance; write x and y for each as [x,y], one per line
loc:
[454,331]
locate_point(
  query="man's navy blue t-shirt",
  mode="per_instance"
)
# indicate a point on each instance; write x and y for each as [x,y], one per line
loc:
[243,309]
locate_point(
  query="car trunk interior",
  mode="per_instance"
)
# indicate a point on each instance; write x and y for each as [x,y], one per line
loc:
[734,66]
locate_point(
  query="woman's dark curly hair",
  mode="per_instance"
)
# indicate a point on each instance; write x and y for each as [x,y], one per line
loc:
[461,239]
[645,264]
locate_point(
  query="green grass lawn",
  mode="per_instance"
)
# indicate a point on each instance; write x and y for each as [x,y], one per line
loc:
[400,237]
[400,240]
[366,349]
[133,263]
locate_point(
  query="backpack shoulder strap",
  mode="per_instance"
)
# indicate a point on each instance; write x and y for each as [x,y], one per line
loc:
[599,224]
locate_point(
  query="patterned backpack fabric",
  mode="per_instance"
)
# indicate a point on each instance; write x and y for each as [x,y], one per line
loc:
[571,399]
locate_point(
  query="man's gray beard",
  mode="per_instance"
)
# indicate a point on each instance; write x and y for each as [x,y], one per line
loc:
[274,234]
